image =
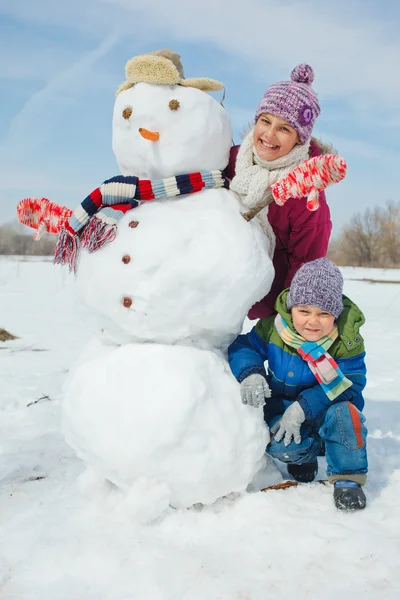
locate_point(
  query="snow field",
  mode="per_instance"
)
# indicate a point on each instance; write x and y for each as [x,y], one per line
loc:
[67,535]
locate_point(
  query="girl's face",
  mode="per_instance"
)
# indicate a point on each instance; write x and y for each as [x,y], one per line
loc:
[273,137]
[311,322]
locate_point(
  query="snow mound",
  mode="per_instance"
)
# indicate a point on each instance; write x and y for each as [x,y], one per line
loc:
[167,416]
[187,271]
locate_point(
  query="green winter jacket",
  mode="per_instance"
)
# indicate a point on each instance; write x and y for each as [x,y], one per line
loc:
[289,376]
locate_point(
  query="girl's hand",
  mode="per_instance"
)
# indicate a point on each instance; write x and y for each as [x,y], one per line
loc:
[309,179]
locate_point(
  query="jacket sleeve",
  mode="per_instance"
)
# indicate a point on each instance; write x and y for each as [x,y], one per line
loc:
[230,170]
[314,401]
[309,234]
[248,353]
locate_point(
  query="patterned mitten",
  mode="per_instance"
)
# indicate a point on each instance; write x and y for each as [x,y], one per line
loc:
[309,179]
[42,215]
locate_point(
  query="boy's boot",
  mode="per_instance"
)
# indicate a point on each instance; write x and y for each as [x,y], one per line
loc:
[304,473]
[348,495]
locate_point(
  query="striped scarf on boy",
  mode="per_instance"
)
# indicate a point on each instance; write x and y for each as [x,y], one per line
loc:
[322,365]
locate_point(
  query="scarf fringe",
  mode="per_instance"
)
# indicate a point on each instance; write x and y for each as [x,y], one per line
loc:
[97,234]
[67,250]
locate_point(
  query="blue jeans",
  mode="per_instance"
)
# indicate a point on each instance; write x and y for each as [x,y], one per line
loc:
[342,429]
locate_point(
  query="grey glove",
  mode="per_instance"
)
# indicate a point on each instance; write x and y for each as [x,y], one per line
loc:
[254,389]
[289,425]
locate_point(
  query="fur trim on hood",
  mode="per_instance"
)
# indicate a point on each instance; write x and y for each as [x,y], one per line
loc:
[325,148]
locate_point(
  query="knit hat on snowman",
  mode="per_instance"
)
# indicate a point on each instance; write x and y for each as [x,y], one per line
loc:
[294,101]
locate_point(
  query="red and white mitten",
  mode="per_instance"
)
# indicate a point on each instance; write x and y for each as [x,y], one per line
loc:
[42,215]
[309,179]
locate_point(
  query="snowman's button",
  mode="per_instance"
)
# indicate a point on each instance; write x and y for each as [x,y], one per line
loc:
[133,224]
[127,302]
[126,259]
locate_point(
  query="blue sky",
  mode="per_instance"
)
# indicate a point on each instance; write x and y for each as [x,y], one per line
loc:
[61,62]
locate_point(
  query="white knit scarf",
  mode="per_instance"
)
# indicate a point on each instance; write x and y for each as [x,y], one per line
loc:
[254,177]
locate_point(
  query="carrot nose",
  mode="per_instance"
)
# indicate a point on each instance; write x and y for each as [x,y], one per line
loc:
[149,135]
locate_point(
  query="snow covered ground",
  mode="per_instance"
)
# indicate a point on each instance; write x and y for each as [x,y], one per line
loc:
[64,537]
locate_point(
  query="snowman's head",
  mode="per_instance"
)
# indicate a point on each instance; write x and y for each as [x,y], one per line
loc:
[169,128]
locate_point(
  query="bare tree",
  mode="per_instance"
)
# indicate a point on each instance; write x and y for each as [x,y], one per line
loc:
[389,222]
[12,242]
[371,239]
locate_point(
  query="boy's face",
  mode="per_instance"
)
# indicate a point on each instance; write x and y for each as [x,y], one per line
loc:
[311,322]
[273,137]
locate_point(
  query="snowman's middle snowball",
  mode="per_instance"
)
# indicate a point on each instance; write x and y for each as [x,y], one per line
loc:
[195,268]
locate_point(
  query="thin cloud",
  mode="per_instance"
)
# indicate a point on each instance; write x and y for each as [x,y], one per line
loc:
[352,54]
[22,121]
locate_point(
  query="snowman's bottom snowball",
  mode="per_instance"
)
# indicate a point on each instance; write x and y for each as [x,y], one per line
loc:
[170,414]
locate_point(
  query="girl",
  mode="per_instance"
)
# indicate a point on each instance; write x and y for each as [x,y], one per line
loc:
[279,141]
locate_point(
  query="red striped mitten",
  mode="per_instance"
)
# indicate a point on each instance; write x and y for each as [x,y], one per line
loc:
[309,179]
[42,215]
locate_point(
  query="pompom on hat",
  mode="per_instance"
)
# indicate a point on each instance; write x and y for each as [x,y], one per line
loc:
[294,101]
[318,283]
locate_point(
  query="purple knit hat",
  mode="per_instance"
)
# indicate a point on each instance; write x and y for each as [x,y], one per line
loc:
[319,283]
[295,101]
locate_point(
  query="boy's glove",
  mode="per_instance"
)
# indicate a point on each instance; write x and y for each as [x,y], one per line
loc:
[289,425]
[254,389]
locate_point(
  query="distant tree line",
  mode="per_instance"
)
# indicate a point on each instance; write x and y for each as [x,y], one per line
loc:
[13,242]
[371,239]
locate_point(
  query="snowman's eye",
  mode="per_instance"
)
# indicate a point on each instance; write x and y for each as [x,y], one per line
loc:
[126,113]
[174,105]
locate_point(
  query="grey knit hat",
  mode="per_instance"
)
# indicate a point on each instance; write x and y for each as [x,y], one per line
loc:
[319,283]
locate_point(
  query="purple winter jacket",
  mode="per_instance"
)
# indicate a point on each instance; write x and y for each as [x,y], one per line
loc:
[301,236]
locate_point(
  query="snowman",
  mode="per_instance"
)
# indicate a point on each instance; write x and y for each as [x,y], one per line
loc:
[152,405]
[168,265]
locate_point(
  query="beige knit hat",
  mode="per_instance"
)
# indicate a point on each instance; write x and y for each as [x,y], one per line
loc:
[163,67]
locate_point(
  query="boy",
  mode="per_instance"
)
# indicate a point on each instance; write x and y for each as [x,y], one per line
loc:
[313,396]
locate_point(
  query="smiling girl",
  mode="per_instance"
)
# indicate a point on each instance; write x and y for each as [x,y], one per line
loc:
[279,141]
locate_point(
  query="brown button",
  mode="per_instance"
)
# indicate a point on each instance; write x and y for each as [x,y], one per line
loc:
[174,104]
[126,113]
[126,259]
[127,302]
[133,224]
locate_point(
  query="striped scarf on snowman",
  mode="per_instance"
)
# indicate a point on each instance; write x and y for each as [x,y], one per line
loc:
[94,222]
